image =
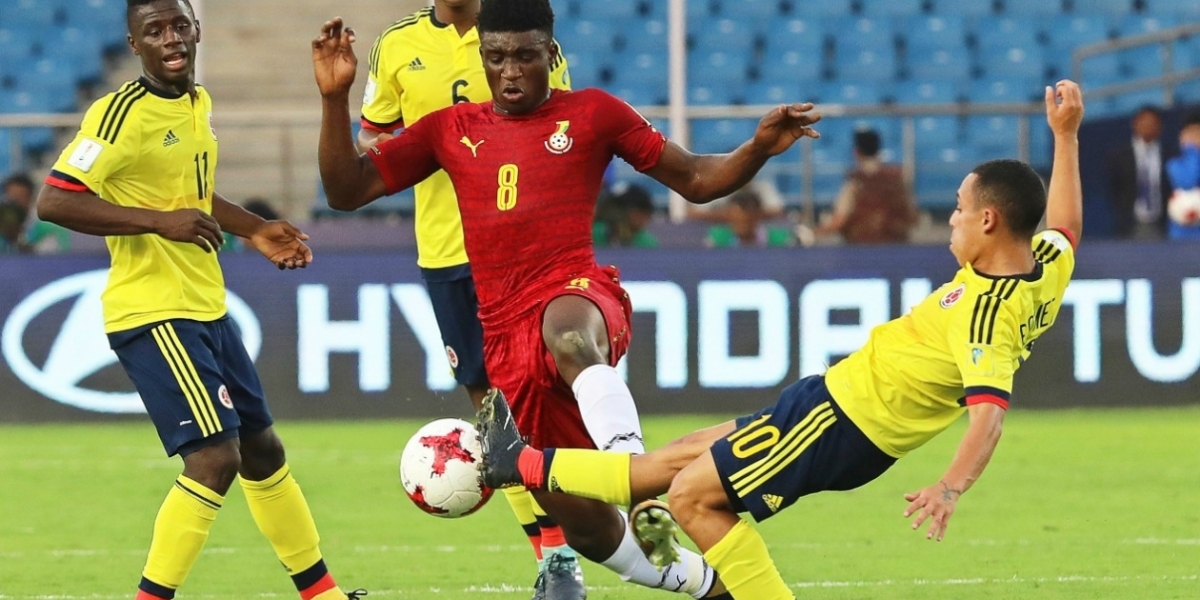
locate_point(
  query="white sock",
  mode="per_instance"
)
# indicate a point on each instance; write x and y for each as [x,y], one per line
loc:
[691,575]
[608,410]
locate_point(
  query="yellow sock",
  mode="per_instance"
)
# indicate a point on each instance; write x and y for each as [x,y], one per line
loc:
[180,531]
[522,505]
[745,567]
[602,476]
[282,515]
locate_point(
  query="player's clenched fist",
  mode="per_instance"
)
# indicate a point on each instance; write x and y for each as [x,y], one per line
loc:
[1064,107]
[190,226]
[333,58]
[783,126]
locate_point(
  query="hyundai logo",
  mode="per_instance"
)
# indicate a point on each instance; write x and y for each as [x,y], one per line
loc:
[80,347]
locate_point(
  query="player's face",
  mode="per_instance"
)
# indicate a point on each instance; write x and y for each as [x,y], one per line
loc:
[517,65]
[967,224]
[165,35]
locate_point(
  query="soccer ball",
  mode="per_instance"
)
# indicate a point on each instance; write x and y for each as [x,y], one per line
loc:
[439,469]
[1184,207]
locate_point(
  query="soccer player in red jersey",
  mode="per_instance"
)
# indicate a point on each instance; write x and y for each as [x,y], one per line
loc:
[527,169]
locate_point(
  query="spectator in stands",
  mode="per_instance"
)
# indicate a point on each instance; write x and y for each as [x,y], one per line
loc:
[40,237]
[1138,189]
[745,225]
[1184,172]
[622,214]
[12,235]
[874,205]
[261,207]
[717,211]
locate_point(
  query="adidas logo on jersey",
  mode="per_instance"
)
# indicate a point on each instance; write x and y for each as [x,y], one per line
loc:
[416,65]
[773,502]
[171,139]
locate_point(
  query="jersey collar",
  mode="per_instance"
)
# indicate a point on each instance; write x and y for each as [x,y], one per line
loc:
[157,91]
[1033,275]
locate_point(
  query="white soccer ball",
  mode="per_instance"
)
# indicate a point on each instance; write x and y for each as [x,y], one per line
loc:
[439,469]
[1184,207]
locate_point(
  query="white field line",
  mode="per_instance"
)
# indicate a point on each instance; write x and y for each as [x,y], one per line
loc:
[512,589]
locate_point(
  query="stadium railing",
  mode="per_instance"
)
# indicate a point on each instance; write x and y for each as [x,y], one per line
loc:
[1170,77]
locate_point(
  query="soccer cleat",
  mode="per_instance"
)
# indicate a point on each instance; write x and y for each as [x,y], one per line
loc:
[656,531]
[562,580]
[356,594]
[500,441]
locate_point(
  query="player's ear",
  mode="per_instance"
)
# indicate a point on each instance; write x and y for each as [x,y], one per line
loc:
[197,32]
[990,219]
[132,46]
[554,50]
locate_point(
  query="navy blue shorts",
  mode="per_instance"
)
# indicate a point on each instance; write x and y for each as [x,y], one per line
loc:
[802,445]
[196,380]
[452,292]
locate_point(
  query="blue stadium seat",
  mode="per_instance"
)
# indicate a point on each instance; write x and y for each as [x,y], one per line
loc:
[940,175]
[1002,90]
[1065,33]
[1041,148]
[587,36]
[17,45]
[1188,91]
[1147,23]
[609,9]
[1014,61]
[585,68]
[994,136]
[24,13]
[1032,8]
[51,86]
[1188,9]
[925,32]
[1101,69]
[718,67]
[777,92]
[926,92]
[935,134]
[103,19]
[1112,8]
[891,8]
[790,66]
[83,51]
[940,65]
[757,10]
[1004,32]
[824,8]
[794,34]
[6,158]
[865,33]
[713,136]
[866,64]
[722,34]
[969,8]
[33,139]
[851,93]
[1127,103]
[646,69]
[648,35]
[714,95]
[1143,61]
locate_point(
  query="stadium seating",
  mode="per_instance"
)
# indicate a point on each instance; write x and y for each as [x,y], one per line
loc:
[932,32]
[1032,8]
[891,8]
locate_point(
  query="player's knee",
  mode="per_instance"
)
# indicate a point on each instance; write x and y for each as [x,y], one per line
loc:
[214,466]
[691,495]
[573,346]
[262,455]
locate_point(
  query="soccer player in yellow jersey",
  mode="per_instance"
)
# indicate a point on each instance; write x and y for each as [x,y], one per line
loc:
[422,63]
[140,172]
[955,352]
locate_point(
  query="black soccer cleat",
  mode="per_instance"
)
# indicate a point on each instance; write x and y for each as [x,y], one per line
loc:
[356,594]
[562,580]
[500,441]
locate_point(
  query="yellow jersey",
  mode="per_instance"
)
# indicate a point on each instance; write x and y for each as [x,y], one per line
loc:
[417,66]
[145,148]
[962,345]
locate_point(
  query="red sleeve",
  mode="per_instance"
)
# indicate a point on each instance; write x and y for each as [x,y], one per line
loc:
[381,127]
[990,395]
[63,181]
[632,137]
[1070,237]
[410,157]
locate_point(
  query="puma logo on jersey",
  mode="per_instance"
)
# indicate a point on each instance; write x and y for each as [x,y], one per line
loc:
[772,501]
[466,141]
[416,65]
[559,143]
[171,139]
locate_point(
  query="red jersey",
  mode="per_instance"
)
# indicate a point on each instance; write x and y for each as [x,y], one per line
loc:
[526,185]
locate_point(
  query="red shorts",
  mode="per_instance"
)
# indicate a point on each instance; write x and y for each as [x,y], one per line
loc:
[519,363]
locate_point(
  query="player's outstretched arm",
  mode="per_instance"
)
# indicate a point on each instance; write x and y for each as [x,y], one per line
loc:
[350,180]
[87,213]
[279,241]
[938,501]
[1064,203]
[702,178]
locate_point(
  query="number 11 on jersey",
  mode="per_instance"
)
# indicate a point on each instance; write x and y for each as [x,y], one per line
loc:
[506,195]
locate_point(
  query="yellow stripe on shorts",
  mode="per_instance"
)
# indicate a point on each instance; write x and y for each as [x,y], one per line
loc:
[786,451]
[205,401]
[159,334]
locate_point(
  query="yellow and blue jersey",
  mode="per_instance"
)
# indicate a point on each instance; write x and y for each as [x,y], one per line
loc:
[417,66]
[143,147]
[960,346]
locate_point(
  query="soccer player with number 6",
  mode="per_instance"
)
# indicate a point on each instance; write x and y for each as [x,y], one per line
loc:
[527,168]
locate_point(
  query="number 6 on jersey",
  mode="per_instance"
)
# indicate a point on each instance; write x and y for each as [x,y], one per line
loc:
[506,196]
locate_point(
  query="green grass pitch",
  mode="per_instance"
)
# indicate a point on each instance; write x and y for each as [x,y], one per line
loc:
[1076,504]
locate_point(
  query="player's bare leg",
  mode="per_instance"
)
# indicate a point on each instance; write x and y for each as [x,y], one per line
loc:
[701,507]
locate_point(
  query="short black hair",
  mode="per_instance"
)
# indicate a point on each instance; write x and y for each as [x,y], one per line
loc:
[747,200]
[18,179]
[516,16]
[1015,190]
[12,213]
[867,142]
[633,198]
[131,7]
[1192,118]
[1149,108]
